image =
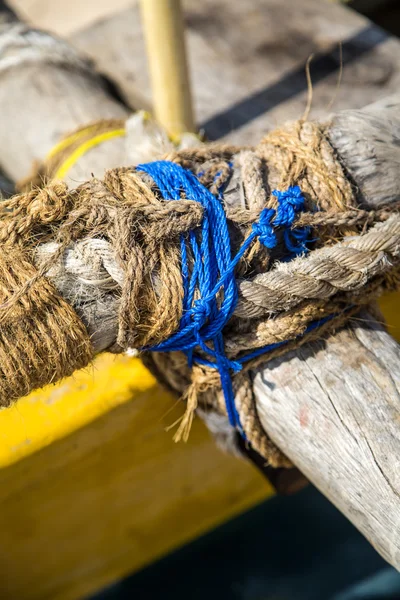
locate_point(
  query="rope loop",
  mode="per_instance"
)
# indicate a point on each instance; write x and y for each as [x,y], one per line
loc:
[191,258]
[263,229]
[210,288]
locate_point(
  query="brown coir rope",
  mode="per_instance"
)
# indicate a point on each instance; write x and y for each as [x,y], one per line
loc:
[72,260]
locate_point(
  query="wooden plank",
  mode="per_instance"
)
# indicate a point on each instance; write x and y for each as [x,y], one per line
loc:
[75,457]
[289,61]
[111,496]
[64,19]
[247,61]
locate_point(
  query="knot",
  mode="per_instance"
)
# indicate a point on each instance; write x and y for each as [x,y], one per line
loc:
[160,268]
[200,313]
[290,202]
[264,230]
[209,284]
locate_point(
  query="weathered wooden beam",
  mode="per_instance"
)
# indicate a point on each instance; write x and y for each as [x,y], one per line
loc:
[360,373]
[61,91]
[333,406]
[86,465]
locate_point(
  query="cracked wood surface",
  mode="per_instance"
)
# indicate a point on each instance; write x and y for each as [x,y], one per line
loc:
[333,407]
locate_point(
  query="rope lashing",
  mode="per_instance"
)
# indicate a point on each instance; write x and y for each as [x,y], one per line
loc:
[138,130]
[85,147]
[213,273]
[193,253]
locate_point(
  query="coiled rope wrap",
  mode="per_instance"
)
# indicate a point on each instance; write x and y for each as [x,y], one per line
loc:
[212,276]
[145,259]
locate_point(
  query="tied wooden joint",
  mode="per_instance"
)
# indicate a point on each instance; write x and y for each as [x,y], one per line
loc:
[112,249]
[41,337]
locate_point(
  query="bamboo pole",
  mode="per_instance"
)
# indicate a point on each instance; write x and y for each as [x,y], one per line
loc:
[164,34]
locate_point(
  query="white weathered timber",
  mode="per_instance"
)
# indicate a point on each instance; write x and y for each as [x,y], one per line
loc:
[368,142]
[364,373]
[60,93]
[333,406]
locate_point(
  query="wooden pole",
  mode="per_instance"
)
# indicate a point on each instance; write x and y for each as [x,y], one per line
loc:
[333,407]
[164,34]
[59,98]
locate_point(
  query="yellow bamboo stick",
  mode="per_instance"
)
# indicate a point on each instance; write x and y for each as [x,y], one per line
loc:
[164,35]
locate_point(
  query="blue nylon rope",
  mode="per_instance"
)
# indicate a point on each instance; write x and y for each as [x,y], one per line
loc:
[213,273]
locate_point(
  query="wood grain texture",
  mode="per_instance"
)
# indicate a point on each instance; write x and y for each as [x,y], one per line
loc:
[368,142]
[333,406]
[87,467]
[247,79]
[247,61]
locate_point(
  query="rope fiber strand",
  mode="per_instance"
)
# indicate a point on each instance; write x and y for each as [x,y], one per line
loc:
[210,262]
[210,290]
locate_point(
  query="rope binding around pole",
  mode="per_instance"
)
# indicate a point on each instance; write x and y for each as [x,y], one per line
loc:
[210,262]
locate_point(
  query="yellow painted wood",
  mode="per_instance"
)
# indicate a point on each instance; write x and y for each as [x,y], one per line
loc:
[390,307]
[49,414]
[92,487]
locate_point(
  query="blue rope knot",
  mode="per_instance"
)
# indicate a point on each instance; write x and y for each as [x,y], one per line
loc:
[290,203]
[212,276]
[264,230]
[200,313]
